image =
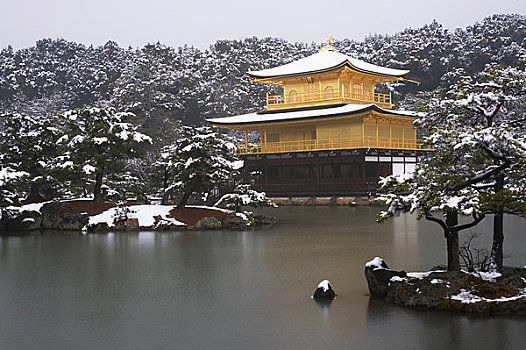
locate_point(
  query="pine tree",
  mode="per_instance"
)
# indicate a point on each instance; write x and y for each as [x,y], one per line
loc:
[197,162]
[97,142]
[480,154]
[27,146]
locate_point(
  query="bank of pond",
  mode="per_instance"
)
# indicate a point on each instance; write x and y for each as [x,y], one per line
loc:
[85,215]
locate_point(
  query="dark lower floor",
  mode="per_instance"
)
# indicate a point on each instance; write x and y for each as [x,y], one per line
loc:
[331,173]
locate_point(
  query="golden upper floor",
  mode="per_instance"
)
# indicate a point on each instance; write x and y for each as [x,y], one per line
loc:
[326,78]
[328,102]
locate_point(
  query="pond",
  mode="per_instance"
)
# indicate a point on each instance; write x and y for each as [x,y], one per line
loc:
[237,290]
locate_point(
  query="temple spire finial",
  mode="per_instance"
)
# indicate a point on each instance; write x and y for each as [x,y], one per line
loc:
[330,40]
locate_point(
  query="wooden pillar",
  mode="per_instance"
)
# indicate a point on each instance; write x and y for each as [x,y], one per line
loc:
[363,132]
[377,133]
[390,136]
[318,174]
[246,141]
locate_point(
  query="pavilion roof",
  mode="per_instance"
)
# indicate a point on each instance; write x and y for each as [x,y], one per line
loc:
[305,114]
[325,60]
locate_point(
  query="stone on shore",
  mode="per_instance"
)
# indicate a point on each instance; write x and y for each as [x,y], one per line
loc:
[62,216]
[378,276]
[237,221]
[206,223]
[264,220]
[27,220]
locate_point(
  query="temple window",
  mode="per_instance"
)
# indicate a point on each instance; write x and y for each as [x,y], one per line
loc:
[293,96]
[329,92]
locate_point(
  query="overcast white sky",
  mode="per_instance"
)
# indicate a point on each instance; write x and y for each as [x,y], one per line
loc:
[202,22]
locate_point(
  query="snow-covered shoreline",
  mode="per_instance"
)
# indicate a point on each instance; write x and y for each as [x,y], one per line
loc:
[458,291]
[85,215]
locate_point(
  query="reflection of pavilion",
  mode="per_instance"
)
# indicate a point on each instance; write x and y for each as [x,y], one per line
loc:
[330,132]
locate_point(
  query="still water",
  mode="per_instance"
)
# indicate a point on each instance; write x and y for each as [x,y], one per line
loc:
[236,290]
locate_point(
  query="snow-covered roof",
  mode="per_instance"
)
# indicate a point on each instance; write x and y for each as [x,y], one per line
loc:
[323,61]
[331,111]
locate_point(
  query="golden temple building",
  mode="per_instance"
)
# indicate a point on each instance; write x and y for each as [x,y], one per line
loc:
[329,132]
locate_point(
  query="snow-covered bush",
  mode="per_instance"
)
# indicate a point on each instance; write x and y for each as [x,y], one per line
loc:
[244,196]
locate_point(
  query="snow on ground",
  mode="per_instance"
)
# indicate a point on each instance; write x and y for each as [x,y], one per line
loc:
[487,276]
[397,279]
[466,297]
[421,275]
[38,206]
[145,213]
[211,208]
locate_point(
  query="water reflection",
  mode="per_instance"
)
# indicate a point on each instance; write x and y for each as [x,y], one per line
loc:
[401,328]
[230,289]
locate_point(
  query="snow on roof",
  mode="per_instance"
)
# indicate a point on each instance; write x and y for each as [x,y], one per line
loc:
[324,60]
[306,114]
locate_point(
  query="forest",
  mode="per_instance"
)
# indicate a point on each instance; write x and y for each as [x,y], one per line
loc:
[158,82]
[160,88]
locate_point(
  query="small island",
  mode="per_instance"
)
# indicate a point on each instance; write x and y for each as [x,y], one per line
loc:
[85,215]
[456,291]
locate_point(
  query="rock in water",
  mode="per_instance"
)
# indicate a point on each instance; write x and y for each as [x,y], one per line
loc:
[378,275]
[324,291]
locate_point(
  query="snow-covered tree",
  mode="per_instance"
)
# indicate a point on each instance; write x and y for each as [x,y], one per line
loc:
[27,146]
[197,162]
[437,191]
[97,142]
[10,183]
[480,154]
[244,196]
[493,100]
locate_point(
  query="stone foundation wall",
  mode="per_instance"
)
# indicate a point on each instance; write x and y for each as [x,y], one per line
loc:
[325,201]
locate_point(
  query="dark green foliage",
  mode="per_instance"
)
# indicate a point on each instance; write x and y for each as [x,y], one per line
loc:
[97,142]
[27,148]
[197,162]
[188,84]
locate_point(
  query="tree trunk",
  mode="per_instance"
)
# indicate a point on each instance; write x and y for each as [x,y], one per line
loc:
[497,256]
[184,200]
[453,259]
[165,186]
[98,184]
[34,195]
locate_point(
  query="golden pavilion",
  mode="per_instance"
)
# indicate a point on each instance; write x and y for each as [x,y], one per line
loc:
[329,132]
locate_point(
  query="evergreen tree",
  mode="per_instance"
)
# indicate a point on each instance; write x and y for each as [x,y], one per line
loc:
[480,154]
[27,147]
[197,162]
[97,142]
